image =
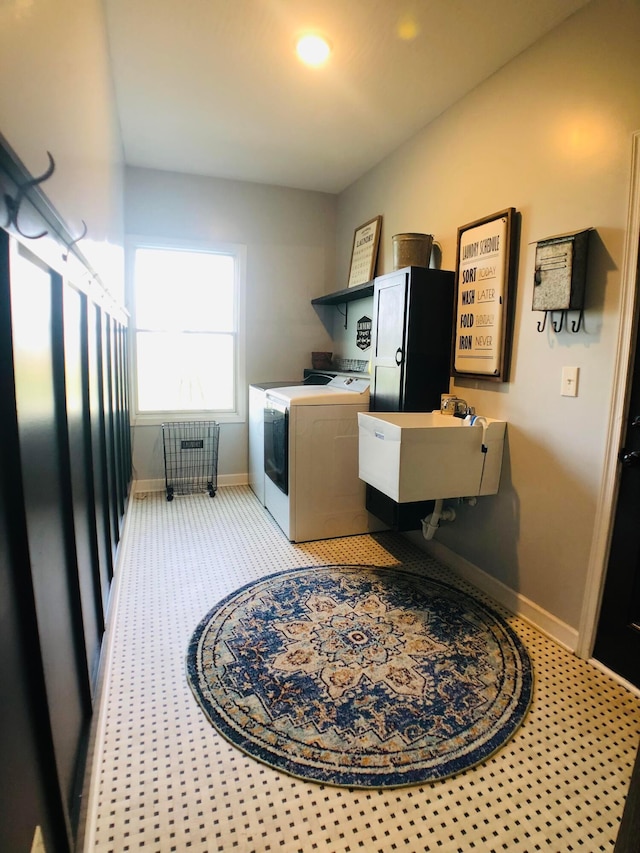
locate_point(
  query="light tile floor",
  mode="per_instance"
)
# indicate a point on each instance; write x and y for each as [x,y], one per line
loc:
[163,780]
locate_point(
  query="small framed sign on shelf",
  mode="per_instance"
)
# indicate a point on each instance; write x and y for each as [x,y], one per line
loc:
[485,274]
[365,252]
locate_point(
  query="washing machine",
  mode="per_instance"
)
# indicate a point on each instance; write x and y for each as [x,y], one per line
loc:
[312,488]
[257,393]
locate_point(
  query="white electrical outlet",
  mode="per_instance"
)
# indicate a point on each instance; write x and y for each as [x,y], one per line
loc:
[569,387]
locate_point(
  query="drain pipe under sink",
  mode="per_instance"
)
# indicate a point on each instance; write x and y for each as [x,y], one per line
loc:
[431,523]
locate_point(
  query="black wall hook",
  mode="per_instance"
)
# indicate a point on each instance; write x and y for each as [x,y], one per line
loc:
[65,256]
[13,204]
[542,323]
[575,327]
[557,327]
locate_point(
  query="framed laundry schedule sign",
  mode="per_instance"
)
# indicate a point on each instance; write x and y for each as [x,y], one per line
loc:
[484,284]
[365,252]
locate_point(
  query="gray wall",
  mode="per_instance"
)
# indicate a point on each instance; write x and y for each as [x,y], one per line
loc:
[57,96]
[290,242]
[550,134]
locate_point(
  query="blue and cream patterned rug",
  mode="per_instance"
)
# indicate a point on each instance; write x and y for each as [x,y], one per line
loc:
[359,676]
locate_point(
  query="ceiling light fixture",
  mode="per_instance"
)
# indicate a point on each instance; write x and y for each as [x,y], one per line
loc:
[313,50]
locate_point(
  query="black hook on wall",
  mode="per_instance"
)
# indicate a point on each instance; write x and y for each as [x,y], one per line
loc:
[543,323]
[65,255]
[14,204]
[575,327]
[557,327]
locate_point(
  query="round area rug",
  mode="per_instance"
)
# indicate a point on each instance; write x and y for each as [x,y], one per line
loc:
[360,676]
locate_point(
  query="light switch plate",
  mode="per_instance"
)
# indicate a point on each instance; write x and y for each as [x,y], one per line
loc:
[569,387]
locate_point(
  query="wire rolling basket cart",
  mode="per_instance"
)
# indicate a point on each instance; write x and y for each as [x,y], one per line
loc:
[190,457]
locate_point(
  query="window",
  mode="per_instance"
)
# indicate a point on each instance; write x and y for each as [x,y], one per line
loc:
[185,305]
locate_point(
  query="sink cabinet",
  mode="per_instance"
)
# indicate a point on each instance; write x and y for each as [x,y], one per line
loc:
[411,357]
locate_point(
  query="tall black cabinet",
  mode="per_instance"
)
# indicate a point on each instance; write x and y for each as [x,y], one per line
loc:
[64,479]
[411,339]
[411,358]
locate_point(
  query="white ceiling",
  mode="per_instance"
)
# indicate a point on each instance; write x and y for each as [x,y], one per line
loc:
[213,87]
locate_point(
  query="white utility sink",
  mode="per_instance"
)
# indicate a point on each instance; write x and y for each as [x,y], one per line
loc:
[415,456]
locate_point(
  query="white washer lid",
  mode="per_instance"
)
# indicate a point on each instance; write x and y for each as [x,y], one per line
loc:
[324,395]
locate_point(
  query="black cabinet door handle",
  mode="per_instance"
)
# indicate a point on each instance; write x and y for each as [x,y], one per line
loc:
[398,356]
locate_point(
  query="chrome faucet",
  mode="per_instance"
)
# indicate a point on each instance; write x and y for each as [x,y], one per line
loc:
[458,407]
[462,409]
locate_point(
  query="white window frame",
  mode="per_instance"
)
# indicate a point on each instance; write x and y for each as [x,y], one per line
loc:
[239,252]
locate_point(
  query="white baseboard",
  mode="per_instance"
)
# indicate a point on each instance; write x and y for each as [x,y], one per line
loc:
[614,675]
[159,484]
[514,601]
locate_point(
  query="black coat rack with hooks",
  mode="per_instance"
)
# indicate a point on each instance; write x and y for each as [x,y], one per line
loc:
[25,189]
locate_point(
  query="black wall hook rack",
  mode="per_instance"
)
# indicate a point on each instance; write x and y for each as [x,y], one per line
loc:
[14,204]
[576,325]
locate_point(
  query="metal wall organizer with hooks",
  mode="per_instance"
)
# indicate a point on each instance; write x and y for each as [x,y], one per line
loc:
[560,277]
